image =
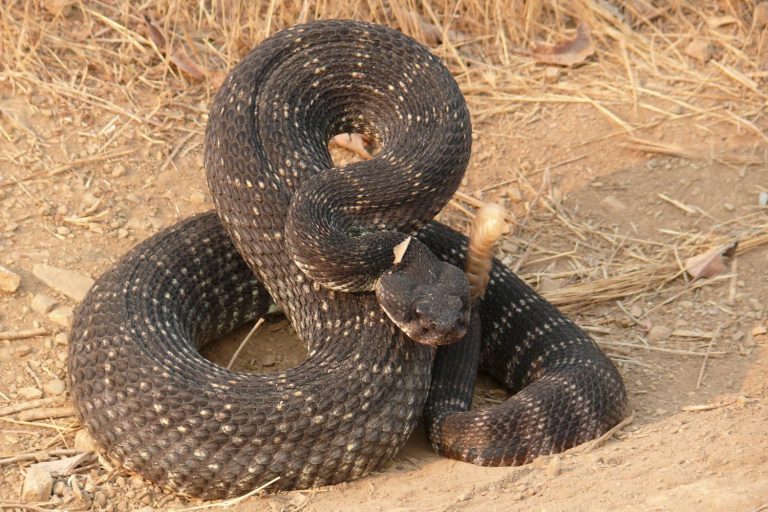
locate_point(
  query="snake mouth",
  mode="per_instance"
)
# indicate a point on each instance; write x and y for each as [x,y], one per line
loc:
[435,335]
[433,321]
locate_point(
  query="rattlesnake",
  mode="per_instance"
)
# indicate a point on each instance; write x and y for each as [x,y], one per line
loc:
[318,240]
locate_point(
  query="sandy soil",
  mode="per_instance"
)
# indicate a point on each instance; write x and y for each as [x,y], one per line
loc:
[590,205]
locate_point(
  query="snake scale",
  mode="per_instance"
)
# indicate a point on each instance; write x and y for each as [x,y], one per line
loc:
[318,240]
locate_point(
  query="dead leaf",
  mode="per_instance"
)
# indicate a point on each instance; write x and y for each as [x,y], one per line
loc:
[155,34]
[711,262]
[432,34]
[567,53]
[760,16]
[400,249]
[178,56]
[184,62]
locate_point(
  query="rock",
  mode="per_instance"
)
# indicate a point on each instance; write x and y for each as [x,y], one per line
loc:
[38,484]
[659,333]
[62,315]
[9,280]
[197,198]
[700,50]
[59,488]
[137,482]
[465,496]
[760,17]
[118,170]
[61,339]
[269,360]
[514,194]
[762,198]
[67,282]
[613,202]
[54,387]
[22,350]
[555,467]
[30,393]
[547,284]
[84,442]
[100,499]
[43,304]
[759,330]
[552,74]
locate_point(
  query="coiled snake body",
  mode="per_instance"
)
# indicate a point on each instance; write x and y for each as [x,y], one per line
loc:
[148,397]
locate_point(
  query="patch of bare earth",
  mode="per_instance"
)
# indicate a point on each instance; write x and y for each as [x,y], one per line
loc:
[649,147]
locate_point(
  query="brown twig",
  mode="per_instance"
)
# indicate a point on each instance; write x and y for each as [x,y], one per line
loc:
[23,334]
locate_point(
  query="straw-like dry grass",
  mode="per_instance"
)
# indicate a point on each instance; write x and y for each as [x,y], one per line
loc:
[102,56]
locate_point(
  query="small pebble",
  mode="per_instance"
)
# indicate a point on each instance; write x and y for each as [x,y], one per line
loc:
[552,74]
[547,284]
[514,194]
[729,207]
[61,339]
[30,393]
[9,280]
[62,315]
[614,203]
[67,282]
[197,198]
[43,304]
[137,482]
[555,467]
[659,333]
[37,486]
[22,350]
[59,488]
[84,442]
[118,171]
[63,230]
[100,499]
[700,50]
[54,387]
[762,198]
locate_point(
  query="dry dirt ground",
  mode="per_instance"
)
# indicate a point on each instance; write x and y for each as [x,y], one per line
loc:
[606,221]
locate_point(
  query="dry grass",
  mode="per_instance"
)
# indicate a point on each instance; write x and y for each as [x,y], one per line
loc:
[100,55]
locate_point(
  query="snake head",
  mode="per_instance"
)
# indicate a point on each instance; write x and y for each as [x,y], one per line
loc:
[426,298]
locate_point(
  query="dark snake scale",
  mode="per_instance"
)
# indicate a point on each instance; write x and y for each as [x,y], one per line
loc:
[156,405]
